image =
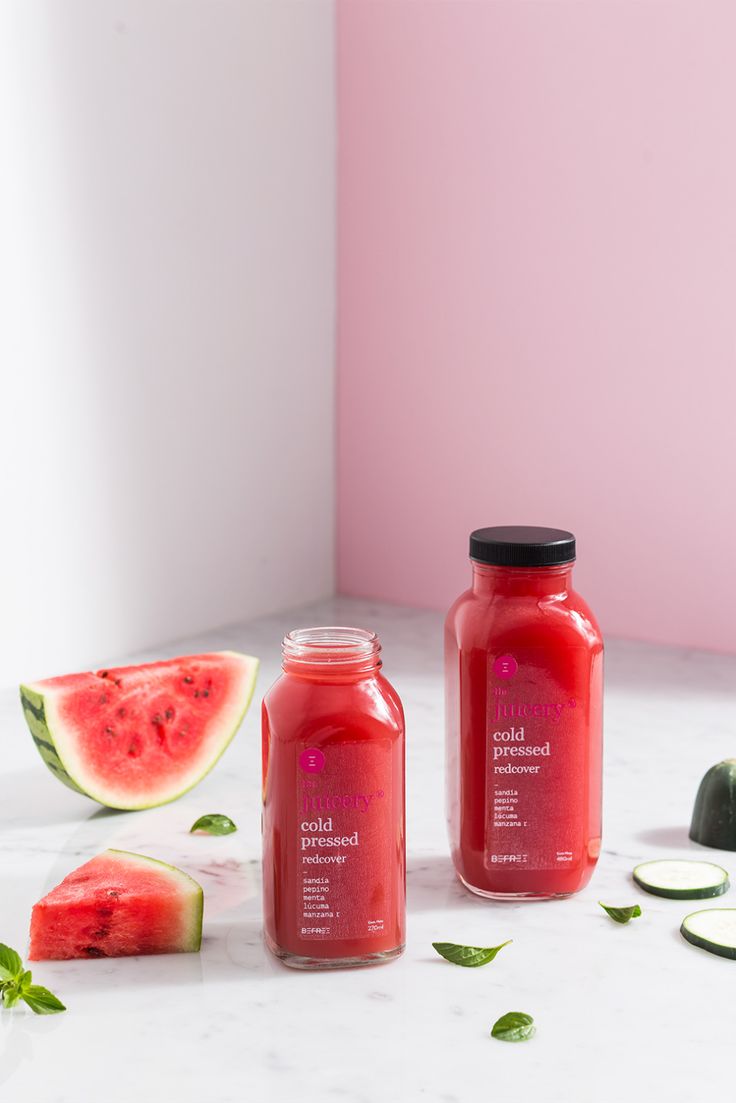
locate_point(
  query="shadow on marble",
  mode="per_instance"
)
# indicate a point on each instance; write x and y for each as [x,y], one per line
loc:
[33,798]
[431,884]
[104,974]
[103,813]
[240,945]
[673,838]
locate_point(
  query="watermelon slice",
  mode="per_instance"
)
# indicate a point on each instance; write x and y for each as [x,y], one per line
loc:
[139,736]
[116,905]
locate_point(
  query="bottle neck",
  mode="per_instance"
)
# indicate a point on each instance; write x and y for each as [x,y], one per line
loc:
[520,581]
[332,654]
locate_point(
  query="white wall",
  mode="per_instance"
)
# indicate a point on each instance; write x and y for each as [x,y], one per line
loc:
[166,340]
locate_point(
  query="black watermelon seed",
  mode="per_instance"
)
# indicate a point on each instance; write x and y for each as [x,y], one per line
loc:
[121,713]
[157,719]
[104,674]
[169,714]
[109,731]
[113,892]
[189,679]
[196,693]
[205,693]
[94,951]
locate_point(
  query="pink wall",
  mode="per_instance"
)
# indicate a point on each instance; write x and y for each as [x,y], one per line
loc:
[537,298]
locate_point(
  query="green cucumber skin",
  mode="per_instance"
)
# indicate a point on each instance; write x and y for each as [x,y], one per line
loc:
[704,944]
[714,813]
[685,894]
[34,712]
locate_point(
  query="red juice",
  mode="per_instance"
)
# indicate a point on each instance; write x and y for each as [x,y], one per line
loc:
[333,804]
[524,681]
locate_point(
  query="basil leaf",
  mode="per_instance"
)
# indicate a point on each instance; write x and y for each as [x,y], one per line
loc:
[11,966]
[469,956]
[214,824]
[11,995]
[15,984]
[621,915]
[40,1000]
[514,1026]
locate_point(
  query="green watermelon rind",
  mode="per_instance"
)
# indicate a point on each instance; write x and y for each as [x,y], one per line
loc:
[34,711]
[37,705]
[193,942]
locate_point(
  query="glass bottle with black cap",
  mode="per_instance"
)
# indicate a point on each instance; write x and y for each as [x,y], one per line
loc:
[523,685]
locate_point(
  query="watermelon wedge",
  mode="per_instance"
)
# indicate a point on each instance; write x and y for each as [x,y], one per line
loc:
[139,736]
[116,905]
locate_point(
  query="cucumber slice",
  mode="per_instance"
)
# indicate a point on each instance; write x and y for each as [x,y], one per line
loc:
[681,880]
[713,929]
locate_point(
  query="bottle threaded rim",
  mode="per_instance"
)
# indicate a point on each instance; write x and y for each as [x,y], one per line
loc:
[331,645]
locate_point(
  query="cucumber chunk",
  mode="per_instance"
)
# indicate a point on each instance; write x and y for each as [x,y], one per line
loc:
[680,879]
[713,929]
[714,814]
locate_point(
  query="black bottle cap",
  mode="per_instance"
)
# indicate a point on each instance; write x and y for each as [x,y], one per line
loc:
[522,546]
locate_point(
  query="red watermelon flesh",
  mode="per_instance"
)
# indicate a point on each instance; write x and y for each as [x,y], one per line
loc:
[138,736]
[116,905]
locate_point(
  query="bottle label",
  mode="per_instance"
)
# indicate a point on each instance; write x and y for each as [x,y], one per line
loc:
[345,851]
[537,764]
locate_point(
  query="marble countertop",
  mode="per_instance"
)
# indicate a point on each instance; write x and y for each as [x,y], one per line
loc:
[621,1012]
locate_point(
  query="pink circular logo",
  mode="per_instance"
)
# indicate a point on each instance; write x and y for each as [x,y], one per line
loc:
[505,666]
[312,761]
